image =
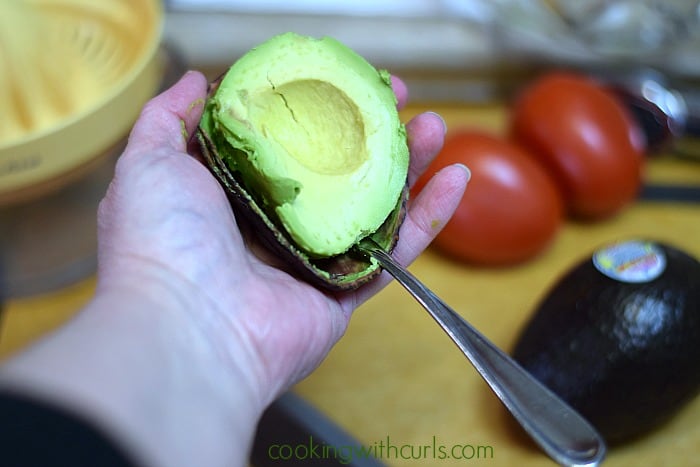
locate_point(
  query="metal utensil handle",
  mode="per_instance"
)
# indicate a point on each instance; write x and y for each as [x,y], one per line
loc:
[561,432]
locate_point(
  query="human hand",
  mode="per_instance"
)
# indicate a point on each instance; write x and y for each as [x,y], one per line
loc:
[166,229]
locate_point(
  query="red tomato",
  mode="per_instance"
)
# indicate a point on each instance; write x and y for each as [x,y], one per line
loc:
[511,208]
[585,138]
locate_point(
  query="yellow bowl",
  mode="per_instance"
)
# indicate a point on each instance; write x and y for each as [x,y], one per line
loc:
[75,75]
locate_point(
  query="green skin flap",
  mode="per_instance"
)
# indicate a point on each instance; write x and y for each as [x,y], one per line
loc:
[254,198]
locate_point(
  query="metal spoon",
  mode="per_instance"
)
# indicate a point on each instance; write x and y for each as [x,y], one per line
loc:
[559,430]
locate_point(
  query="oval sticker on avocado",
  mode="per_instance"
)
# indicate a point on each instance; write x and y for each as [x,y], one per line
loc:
[632,261]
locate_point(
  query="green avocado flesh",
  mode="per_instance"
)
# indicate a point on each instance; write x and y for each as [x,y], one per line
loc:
[312,132]
[618,337]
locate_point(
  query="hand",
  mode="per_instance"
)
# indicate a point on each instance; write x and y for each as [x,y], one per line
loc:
[190,335]
[165,214]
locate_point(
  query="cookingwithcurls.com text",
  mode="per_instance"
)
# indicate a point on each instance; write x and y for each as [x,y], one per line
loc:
[384,449]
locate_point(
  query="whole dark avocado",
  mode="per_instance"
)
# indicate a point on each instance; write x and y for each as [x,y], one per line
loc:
[618,337]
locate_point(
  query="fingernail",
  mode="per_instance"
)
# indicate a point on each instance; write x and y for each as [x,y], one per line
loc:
[466,170]
[442,120]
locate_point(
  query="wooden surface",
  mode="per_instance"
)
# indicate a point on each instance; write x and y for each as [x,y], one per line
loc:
[396,377]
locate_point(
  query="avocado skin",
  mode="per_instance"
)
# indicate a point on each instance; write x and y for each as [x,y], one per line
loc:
[626,376]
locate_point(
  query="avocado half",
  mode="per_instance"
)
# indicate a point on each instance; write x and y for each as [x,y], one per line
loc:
[305,137]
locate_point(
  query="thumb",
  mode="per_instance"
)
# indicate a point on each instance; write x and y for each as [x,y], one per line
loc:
[170,118]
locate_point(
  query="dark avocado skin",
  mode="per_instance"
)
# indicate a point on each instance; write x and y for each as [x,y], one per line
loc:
[626,356]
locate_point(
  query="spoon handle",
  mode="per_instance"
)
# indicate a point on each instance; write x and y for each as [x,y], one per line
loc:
[559,430]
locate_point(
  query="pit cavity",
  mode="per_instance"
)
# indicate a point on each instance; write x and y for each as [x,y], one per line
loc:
[315,123]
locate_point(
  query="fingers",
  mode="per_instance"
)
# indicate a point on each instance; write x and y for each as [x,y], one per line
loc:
[426,134]
[426,216]
[430,211]
[432,208]
[400,90]
[168,119]
[436,203]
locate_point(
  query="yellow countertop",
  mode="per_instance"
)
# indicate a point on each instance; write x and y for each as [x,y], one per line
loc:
[396,377]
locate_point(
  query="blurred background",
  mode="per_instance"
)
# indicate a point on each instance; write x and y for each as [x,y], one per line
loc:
[75,73]
[452,49]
